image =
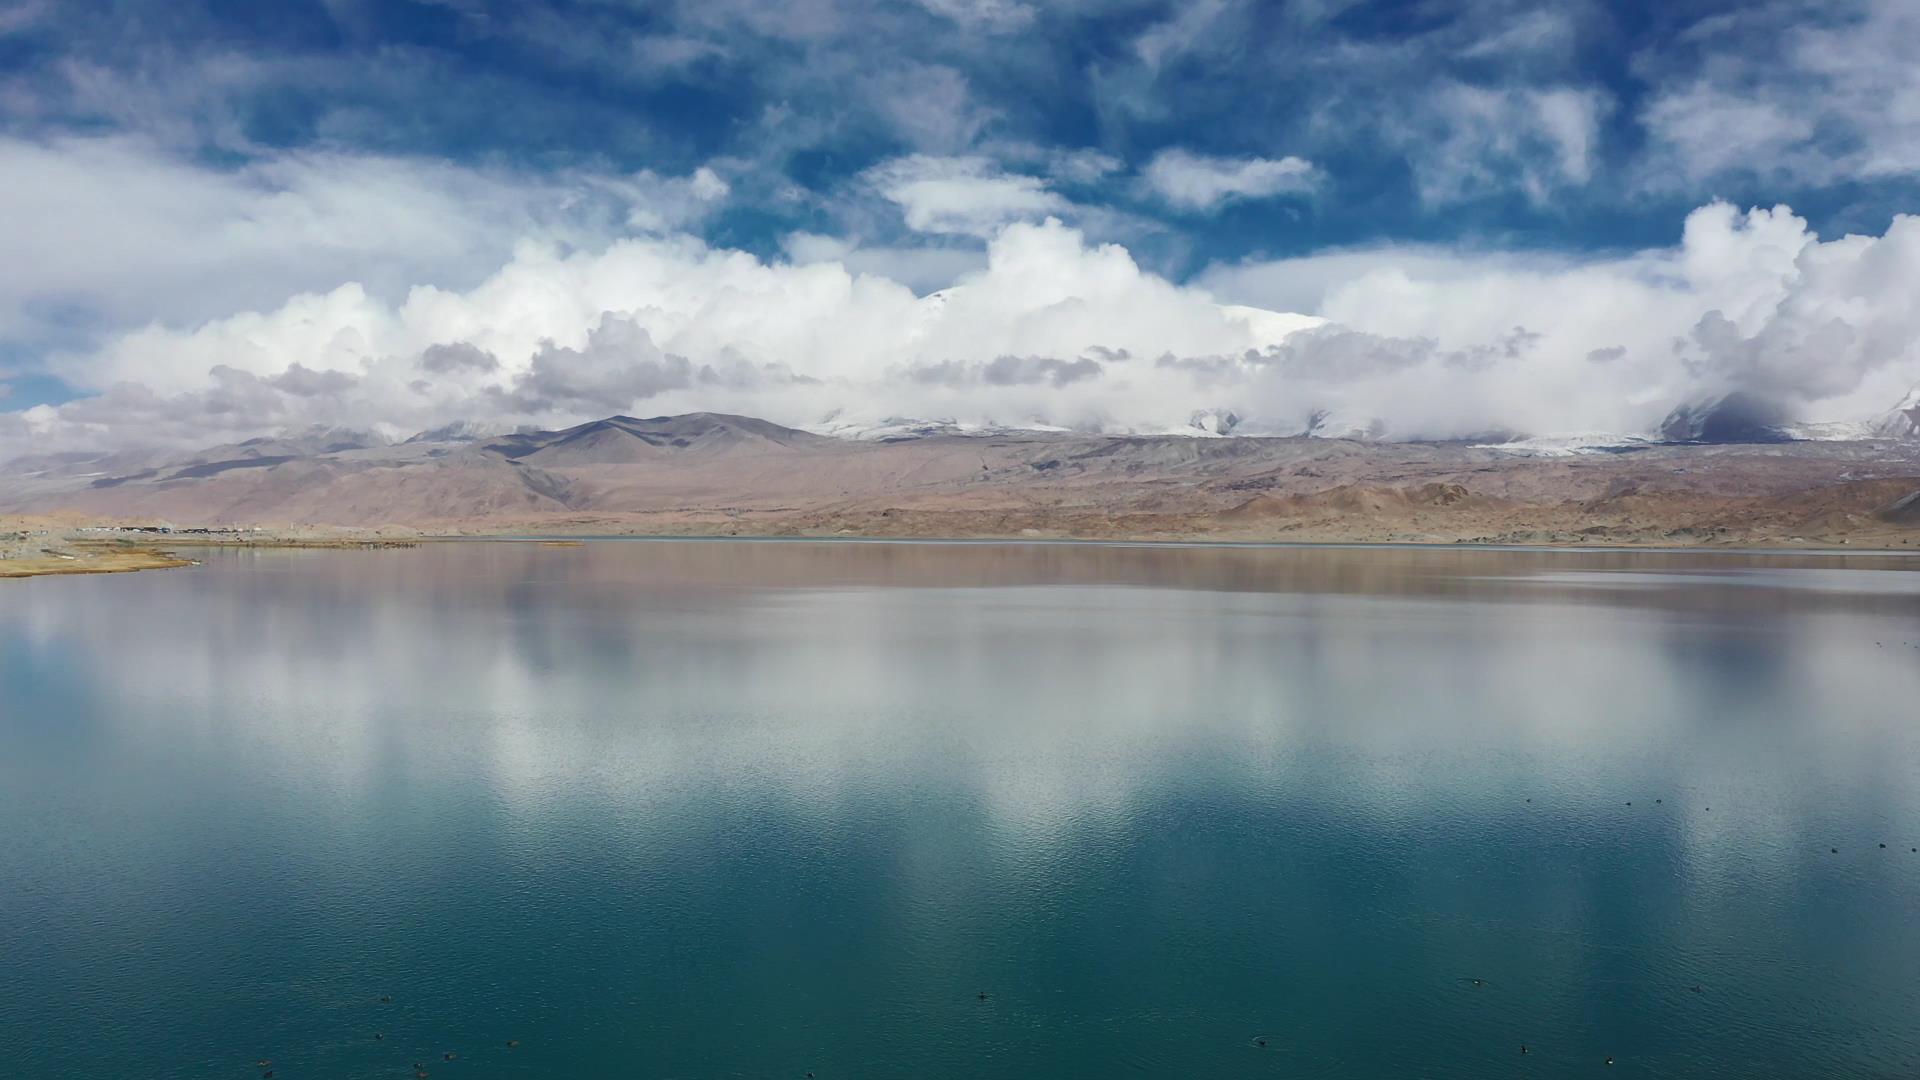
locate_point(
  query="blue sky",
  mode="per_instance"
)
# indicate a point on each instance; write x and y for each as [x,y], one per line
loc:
[193,159]
[792,102]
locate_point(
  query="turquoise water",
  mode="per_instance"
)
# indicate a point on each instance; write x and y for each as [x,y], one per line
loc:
[764,809]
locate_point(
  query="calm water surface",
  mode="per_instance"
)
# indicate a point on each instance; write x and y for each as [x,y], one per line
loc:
[759,809]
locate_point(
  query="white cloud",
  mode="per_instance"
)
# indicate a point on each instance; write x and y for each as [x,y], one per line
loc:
[1808,93]
[1749,300]
[1052,328]
[1192,181]
[1468,141]
[929,105]
[125,233]
[671,52]
[662,203]
[991,16]
[1190,26]
[922,269]
[677,325]
[1078,165]
[20,15]
[961,195]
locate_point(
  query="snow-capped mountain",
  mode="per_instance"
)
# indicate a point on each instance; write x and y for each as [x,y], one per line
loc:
[460,431]
[1570,445]
[1902,421]
[1738,417]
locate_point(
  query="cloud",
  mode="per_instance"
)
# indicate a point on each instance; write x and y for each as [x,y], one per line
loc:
[1469,141]
[1010,371]
[618,366]
[929,105]
[961,195]
[1190,181]
[671,52]
[1053,329]
[1792,92]
[17,16]
[1190,27]
[1082,165]
[457,356]
[989,16]
[662,203]
[1748,300]
[111,232]
[305,382]
[923,269]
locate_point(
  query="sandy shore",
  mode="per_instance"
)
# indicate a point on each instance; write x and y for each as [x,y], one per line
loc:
[33,547]
[120,560]
[36,547]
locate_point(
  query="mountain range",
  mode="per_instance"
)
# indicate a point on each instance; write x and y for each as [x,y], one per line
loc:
[710,473]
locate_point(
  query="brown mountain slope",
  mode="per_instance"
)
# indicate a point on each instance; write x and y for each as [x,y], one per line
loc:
[716,473]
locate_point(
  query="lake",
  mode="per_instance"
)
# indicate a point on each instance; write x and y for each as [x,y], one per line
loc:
[765,809]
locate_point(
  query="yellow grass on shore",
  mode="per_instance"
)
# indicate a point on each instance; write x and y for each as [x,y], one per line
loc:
[85,561]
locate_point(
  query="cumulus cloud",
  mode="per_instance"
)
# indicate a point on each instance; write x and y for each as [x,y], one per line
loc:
[618,365]
[1190,181]
[1747,301]
[1052,330]
[961,195]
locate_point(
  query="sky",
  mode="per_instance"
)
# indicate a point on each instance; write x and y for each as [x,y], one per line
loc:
[1405,218]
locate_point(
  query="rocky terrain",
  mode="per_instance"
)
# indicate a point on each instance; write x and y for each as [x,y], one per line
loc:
[711,474]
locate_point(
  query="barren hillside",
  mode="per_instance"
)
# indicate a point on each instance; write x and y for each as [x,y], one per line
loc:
[709,473]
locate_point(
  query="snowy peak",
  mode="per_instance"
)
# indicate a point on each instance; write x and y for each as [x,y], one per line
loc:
[1738,417]
[1903,420]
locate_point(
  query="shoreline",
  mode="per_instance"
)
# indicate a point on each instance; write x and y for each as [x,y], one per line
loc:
[119,561]
[109,557]
[51,546]
[564,540]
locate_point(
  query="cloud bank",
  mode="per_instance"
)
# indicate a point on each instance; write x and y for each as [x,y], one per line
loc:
[1055,329]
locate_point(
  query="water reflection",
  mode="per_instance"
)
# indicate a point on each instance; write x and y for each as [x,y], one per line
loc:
[800,801]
